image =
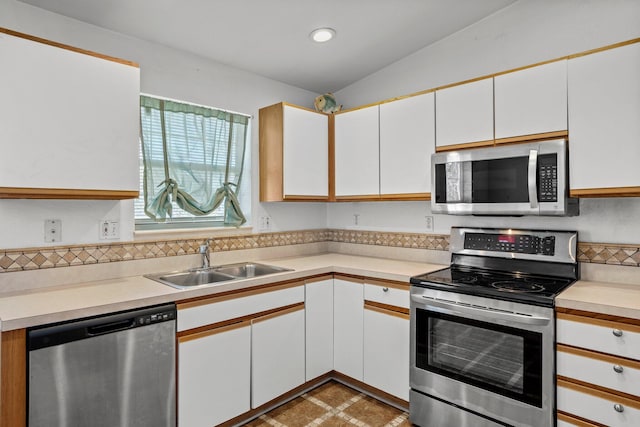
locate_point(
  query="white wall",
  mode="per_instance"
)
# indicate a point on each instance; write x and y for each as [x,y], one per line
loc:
[164,72]
[527,32]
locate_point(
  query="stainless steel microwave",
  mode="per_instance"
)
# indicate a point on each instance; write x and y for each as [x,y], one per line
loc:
[519,179]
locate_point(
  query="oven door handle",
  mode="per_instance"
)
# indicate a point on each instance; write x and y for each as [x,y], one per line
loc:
[532,175]
[457,309]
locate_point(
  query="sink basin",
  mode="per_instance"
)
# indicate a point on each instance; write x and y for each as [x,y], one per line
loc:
[249,269]
[207,276]
[188,279]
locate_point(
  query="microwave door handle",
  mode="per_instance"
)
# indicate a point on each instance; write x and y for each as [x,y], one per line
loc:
[533,182]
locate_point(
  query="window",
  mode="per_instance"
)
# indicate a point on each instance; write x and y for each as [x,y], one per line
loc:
[192,163]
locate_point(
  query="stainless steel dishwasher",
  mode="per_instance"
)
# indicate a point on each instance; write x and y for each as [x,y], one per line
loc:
[110,371]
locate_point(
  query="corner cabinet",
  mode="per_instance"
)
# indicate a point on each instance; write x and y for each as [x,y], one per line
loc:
[407,141]
[318,301]
[69,122]
[357,155]
[294,154]
[604,123]
[348,321]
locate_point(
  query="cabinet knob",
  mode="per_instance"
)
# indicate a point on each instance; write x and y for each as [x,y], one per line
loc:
[618,407]
[618,368]
[385,289]
[617,332]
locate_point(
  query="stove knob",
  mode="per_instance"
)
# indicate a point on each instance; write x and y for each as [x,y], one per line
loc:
[618,368]
[617,332]
[618,407]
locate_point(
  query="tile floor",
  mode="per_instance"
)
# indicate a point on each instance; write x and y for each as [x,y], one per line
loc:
[333,405]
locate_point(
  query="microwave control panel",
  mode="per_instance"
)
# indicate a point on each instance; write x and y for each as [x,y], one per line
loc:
[547,178]
[517,243]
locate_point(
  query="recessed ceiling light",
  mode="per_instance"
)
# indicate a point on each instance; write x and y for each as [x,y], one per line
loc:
[321,35]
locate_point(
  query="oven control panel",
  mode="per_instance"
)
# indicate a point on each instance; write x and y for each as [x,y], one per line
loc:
[517,243]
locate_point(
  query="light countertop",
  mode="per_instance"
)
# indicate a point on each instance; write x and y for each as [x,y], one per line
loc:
[615,299]
[55,304]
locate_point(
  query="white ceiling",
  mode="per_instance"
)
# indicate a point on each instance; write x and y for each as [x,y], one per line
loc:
[270,37]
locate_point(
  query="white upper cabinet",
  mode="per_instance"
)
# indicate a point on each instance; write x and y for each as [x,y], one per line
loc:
[407,140]
[357,156]
[464,113]
[294,154]
[531,101]
[306,153]
[604,122]
[69,122]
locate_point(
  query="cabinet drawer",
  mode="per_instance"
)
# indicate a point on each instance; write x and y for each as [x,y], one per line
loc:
[605,336]
[597,406]
[387,293]
[208,311]
[565,420]
[605,371]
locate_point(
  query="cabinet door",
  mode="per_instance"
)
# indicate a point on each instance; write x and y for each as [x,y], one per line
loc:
[348,321]
[386,351]
[306,153]
[357,160]
[407,140]
[277,354]
[604,129]
[214,375]
[319,327]
[68,120]
[531,101]
[464,113]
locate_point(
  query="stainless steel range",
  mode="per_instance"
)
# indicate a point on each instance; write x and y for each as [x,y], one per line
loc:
[483,329]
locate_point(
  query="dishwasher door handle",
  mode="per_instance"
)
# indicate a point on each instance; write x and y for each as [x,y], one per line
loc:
[107,328]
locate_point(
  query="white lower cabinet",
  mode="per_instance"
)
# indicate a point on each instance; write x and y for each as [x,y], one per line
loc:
[386,351]
[348,302]
[319,327]
[277,354]
[214,375]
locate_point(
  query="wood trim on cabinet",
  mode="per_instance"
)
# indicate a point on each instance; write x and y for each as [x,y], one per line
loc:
[596,355]
[577,421]
[270,143]
[332,157]
[598,319]
[297,198]
[405,196]
[603,48]
[67,47]
[389,284]
[533,137]
[599,392]
[224,296]
[13,378]
[605,192]
[319,278]
[390,310]
[66,193]
[477,144]
[356,198]
[350,278]
[212,331]
[279,312]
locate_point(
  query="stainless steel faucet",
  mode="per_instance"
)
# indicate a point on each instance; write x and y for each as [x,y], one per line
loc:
[204,253]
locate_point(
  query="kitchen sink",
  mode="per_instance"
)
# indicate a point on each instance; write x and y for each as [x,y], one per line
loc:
[207,276]
[249,269]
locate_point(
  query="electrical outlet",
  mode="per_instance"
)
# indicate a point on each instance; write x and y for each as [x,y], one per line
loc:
[52,230]
[265,223]
[429,222]
[356,219]
[109,230]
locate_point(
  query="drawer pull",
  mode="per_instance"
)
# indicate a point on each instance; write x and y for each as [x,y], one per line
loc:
[618,407]
[385,289]
[618,368]
[617,332]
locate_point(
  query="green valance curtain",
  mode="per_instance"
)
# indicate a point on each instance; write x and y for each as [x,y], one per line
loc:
[193,156]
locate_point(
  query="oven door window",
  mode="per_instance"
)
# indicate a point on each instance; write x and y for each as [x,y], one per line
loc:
[497,358]
[500,180]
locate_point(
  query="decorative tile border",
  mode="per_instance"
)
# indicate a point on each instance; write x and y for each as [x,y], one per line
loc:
[66,256]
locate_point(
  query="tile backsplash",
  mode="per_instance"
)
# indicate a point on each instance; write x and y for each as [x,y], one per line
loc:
[66,256]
